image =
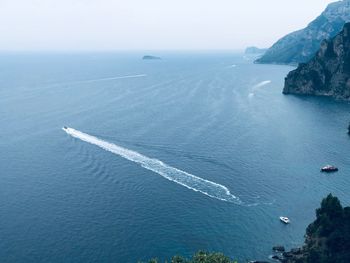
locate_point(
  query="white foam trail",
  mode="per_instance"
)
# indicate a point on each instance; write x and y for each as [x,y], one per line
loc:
[119,77]
[261,84]
[111,78]
[183,178]
[232,66]
[251,95]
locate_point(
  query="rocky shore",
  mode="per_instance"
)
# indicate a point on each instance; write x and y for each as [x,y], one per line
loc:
[328,73]
[327,239]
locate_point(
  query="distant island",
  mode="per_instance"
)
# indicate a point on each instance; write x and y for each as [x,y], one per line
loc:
[327,73]
[149,57]
[327,240]
[255,51]
[300,46]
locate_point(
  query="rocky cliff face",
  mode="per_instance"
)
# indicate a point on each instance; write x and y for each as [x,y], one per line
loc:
[328,73]
[300,46]
[327,238]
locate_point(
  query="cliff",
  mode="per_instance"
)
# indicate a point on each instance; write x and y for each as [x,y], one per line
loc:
[300,46]
[327,238]
[328,73]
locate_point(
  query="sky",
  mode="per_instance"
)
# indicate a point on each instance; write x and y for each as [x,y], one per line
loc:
[104,25]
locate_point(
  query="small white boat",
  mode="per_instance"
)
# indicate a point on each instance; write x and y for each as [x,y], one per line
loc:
[285,219]
[329,168]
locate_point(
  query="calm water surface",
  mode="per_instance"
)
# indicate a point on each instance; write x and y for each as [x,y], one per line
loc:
[216,116]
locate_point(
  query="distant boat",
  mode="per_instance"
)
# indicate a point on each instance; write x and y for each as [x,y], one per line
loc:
[329,168]
[285,219]
[65,127]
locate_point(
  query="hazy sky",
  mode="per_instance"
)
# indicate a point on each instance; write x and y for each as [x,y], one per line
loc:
[150,24]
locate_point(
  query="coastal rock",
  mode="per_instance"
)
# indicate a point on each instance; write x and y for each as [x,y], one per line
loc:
[301,45]
[275,257]
[287,254]
[328,73]
[327,239]
[279,248]
[296,251]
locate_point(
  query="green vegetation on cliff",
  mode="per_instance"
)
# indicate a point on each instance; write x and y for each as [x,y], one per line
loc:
[328,73]
[327,240]
[200,257]
[328,237]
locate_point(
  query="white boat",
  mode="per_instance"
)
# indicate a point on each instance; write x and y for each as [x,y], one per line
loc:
[329,168]
[285,219]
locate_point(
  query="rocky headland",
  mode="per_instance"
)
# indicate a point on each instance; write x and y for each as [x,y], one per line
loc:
[327,73]
[300,46]
[327,239]
[255,51]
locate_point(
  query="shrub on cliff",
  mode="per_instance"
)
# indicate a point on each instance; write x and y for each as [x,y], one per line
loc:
[329,235]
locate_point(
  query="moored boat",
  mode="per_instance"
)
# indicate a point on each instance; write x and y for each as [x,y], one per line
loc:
[329,168]
[285,219]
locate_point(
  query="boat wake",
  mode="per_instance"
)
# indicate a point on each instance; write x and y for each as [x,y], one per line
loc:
[261,84]
[173,174]
[111,78]
[257,86]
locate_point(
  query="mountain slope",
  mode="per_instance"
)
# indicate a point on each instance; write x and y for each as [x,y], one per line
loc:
[301,45]
[328,73]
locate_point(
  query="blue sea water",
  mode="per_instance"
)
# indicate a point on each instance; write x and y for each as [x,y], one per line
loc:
[214,116]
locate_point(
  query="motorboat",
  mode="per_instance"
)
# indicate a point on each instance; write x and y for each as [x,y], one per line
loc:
[329,168]
[285,219]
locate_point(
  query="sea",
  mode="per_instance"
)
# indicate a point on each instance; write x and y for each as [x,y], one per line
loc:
[195,151]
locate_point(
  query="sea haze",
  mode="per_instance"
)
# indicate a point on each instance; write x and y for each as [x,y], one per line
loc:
[162,157]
